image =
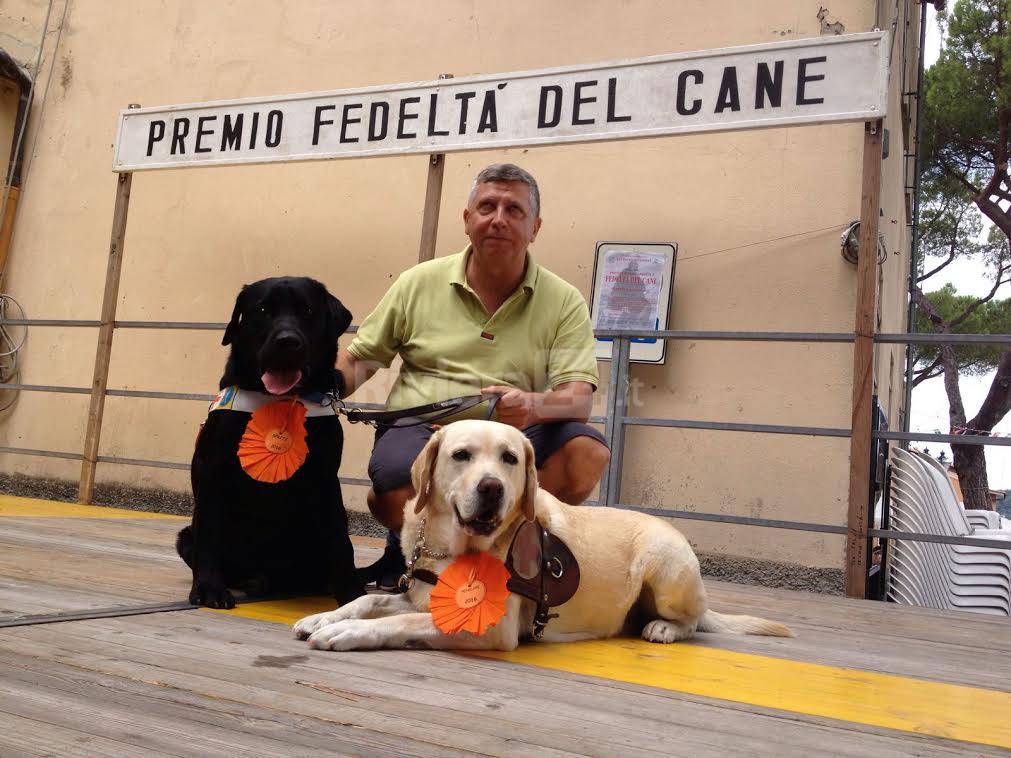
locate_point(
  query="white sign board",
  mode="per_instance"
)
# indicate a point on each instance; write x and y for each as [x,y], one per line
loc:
[632,284]
[838,78]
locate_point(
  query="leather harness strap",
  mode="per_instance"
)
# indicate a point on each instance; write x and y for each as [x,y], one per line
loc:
[542,569]
[426,576]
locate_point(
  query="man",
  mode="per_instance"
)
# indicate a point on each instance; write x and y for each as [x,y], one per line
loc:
[488,319]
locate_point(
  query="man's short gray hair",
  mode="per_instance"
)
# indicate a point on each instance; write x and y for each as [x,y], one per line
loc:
[508,172]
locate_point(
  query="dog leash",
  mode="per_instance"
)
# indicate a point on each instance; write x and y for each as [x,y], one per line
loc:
[430,413]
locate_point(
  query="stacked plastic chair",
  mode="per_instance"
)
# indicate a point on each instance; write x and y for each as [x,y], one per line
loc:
[936,575]
[977,519]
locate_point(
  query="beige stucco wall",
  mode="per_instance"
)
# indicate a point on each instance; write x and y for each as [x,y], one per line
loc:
[196,235]
[21,25]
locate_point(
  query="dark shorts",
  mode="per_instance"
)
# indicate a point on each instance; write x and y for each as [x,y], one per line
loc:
[395,449]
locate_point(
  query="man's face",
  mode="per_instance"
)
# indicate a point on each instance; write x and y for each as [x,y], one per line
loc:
[500,220]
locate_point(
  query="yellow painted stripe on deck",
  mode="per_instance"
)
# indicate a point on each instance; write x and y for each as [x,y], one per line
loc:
[936,709]
[280,611]
[29,507]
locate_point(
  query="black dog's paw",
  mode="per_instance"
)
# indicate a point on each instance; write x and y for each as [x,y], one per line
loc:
[211,595]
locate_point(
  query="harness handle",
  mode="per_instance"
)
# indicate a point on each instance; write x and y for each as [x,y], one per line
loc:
[419,414]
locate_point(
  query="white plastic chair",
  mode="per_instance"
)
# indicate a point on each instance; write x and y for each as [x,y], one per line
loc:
[978,519]
[934,574]
[981,573]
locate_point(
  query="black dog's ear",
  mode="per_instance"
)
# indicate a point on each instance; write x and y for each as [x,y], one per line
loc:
[233,325]
[341,316]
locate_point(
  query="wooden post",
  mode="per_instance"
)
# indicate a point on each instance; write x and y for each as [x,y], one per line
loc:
[863,365]
[103,355]
[433,201]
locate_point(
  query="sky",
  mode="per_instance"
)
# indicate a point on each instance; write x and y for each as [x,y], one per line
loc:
[929,412]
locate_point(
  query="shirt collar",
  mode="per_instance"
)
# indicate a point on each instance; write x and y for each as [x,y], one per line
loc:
[459,276]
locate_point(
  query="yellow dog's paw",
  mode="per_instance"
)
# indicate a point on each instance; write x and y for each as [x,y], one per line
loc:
[305,627]
[665,632]
[350,634]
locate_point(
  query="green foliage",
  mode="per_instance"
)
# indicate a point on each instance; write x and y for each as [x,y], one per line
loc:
[952,228]
[967,95]
[993,317]
[966,89]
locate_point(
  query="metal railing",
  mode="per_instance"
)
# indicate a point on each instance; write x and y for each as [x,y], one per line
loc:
[615,420]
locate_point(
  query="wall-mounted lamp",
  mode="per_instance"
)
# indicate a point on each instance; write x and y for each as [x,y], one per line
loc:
[850,241]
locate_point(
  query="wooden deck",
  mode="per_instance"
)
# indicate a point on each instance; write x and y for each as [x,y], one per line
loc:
[861,678]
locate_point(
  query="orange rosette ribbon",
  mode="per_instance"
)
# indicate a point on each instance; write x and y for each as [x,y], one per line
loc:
[273,446]
[471,594]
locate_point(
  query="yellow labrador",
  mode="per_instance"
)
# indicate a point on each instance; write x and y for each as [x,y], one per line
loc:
[476,483]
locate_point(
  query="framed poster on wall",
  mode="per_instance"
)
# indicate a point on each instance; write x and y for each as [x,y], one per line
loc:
[632,286]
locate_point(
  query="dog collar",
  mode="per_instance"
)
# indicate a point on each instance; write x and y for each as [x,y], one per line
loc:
[246,401]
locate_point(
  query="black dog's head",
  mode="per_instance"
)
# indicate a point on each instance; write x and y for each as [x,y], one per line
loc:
[284,335]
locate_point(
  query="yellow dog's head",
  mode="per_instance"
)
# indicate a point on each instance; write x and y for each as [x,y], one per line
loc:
[482,471]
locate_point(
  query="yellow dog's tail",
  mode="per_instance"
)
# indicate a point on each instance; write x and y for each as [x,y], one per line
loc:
[712,621]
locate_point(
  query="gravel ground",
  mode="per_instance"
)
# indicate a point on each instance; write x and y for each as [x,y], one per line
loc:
[724,567]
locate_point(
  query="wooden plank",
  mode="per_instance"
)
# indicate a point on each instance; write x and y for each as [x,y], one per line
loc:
[23,736]
[863,365]
[69,540]
[866,696]
[826,645]
[211,655]
[433,203]
[100,710]
[103,352]
[119,574]
[457,700]
[50,565]
[871,618]
[234,678]
[157,536]
[454,672]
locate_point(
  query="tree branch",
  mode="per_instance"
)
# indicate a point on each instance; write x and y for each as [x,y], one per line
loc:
[972,308]
[956,410]
[952,248]
[926,305]
[929,372]
[943,265]
[998,398]
[958,177]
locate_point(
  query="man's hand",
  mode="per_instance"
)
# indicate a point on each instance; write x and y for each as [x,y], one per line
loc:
[571,401]
[515,407]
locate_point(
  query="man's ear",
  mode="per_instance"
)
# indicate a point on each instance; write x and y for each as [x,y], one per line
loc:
[341,316]
[233,325]
[423,469]
[530,490]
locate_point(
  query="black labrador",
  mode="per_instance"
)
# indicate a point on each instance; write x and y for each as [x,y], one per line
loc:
[290,536]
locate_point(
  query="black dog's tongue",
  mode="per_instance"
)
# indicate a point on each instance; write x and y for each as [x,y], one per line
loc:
[279,382]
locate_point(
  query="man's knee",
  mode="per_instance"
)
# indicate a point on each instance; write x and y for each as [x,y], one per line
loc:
[572,471]
[586,461]
[388,508]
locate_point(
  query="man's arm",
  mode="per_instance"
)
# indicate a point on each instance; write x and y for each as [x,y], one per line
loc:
[356,371]
[571,401]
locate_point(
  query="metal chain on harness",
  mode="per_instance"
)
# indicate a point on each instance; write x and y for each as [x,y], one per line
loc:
[406,580]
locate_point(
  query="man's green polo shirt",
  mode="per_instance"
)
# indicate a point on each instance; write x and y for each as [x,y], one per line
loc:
[540,338]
